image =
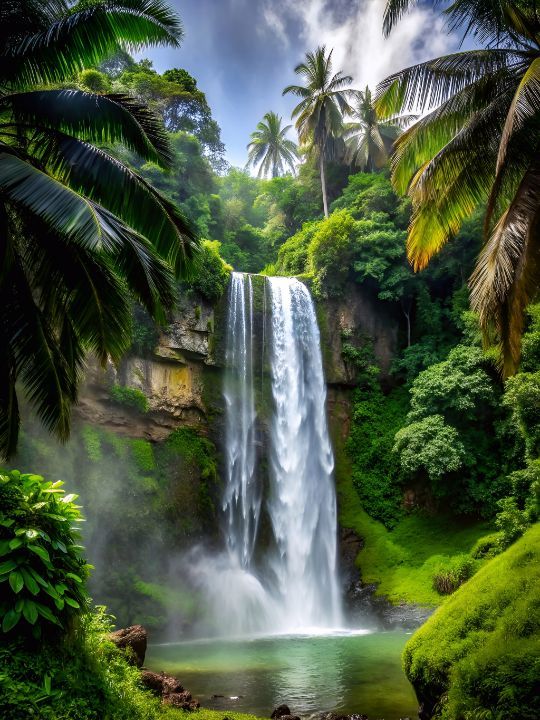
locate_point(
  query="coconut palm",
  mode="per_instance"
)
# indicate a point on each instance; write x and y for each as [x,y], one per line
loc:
[270,148]
[319,114]
[479,143]
[80,233]
[369,139]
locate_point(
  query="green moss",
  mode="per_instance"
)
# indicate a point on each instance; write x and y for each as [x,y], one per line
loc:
[143,454]
[92,443]
[479,654]
[129,397]
[403,561]
[204,714]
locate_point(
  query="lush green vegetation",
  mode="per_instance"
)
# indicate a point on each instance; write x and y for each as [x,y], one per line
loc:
[479,655]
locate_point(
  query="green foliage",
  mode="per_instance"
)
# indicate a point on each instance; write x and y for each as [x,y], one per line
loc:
[82,232]
[454,432]
[452,574]
[83,678]
[522,396]
[129,397]
[487,546]
[92,443]
[330,253]
[95,81]
[143,455]
[42,572]
[212,276]
[480,652]
[430,446]
[376,472]
[192,446]
[144,333]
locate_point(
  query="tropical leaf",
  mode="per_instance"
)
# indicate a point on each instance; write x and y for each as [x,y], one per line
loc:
[84,37]
[507,274]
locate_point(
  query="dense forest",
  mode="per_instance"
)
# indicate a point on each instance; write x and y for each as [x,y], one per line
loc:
[409,211]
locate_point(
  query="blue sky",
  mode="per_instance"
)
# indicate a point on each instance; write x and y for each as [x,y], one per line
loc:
[243,52]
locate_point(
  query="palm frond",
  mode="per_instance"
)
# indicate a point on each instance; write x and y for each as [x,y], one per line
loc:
[507,274]
[94,118]
[86,36]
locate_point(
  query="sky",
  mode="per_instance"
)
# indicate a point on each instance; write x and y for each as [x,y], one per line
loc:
[243,52]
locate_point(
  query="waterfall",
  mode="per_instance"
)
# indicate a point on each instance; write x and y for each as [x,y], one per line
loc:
[288,581]
[242,495]
[302,504]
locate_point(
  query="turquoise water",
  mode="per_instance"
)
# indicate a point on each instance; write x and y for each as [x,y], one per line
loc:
[348,673]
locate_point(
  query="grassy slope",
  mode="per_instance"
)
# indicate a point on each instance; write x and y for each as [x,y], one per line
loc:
[204,714]
[402,562]
[483,644]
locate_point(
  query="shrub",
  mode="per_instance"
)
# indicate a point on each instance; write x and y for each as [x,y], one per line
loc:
[129,397]
[83,678]
[447,579]
[511,521]
[487,546]
[212,273]
[42,571]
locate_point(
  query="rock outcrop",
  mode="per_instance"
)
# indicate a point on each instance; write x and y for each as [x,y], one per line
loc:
[169,689]
[133,640]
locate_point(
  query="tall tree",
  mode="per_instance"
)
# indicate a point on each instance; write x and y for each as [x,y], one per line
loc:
[270,148]
[479,143]
[80,233]
[369,139]
[319,114]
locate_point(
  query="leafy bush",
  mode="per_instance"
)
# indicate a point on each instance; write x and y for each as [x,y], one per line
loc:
[479,653]
[376,472]
[83,678]
[487,546]
[448,578]
[212,274]
[129,397]
[42,571]
[511,521]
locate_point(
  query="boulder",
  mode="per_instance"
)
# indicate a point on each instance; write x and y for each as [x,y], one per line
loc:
[280,712]
[133,639]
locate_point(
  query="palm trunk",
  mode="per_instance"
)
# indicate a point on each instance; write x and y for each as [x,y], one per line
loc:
[323,184]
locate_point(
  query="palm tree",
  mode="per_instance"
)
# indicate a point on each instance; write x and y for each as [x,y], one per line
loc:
[369,139]
[269,147]
[80,234]
[319,114]
[479,143]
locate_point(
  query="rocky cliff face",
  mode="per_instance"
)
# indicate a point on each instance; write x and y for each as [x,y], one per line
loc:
[176,378]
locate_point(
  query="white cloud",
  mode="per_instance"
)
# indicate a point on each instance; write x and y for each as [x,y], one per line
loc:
[354,31]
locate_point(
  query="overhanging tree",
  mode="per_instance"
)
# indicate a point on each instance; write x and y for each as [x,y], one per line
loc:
[80,233]
[478,143]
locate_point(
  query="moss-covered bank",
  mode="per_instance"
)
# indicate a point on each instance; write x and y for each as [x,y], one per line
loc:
[478,656]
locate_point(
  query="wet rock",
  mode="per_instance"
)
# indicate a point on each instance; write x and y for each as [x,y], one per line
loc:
[182,700]
[289,717]
[280,711]
[172,685]
[152,681]
[133,640]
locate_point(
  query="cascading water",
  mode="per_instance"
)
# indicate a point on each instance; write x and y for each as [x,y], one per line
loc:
[302,504]
[242,495]
[289,582]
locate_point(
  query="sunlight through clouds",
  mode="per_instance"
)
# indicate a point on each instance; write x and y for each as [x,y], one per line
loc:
[354,30]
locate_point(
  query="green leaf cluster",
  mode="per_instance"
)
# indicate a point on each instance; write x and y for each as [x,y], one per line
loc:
[42,571]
